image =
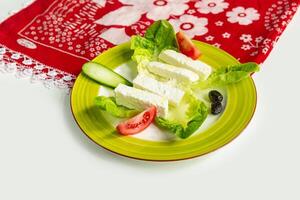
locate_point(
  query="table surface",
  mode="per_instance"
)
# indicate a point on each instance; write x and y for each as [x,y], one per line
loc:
[44,155]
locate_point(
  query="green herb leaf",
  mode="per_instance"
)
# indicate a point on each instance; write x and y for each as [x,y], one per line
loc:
[163,35]
[109,104]
[193,117]
[159,36]
[229,75]
[143,49]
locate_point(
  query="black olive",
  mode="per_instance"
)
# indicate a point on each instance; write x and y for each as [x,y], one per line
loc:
[216,108]
[215,96]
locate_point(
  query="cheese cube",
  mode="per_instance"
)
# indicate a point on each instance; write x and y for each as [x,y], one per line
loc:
[173,94]
[170,71]
[140,100]
[178,59]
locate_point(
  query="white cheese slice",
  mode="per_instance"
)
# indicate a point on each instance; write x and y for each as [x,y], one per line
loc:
[173,94]
[178,59]
[140,100]
[170,71]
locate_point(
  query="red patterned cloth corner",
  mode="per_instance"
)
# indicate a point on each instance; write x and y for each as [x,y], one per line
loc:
[51,39]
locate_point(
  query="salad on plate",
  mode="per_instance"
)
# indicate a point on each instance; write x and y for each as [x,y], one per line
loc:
[164,91]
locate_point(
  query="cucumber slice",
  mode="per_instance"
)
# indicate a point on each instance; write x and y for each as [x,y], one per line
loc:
[103,75]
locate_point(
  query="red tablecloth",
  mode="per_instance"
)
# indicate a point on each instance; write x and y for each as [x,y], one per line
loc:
[51,39]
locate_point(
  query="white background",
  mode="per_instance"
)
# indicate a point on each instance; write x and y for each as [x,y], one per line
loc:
[44,155]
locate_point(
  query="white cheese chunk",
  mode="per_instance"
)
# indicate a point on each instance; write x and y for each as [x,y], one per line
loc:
[173,94]
[170,71]
[178,59]
[140,100]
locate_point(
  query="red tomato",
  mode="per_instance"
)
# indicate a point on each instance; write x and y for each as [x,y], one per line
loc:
[137,123]
[186,46]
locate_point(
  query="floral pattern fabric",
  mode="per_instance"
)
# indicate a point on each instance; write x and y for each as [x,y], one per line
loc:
[51,39]
[211,6]
[243,16]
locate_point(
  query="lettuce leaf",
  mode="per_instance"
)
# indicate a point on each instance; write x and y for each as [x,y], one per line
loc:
[184,124]
[163,35]
[109,104]
[229,75]
[143,49]
[159,36]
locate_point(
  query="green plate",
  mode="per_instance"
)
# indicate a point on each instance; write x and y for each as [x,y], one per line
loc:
[240,107]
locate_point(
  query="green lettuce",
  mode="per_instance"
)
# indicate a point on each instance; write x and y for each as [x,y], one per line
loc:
[109,104]
[159,36]
[229,75]
[185,119]
[143,49]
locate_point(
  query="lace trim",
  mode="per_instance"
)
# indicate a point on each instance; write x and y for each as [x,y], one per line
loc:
[26,67]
